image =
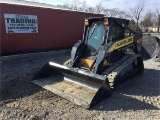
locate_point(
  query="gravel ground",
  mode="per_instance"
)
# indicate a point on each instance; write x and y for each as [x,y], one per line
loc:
[22,100]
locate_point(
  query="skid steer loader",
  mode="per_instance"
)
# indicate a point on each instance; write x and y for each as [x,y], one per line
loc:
[106,56]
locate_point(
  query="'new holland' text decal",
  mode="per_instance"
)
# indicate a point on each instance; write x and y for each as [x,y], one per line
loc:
[121,43]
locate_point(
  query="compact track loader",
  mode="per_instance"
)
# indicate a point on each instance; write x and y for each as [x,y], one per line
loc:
[106,56]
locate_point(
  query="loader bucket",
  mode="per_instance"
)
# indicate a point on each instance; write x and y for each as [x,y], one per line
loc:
[83,88]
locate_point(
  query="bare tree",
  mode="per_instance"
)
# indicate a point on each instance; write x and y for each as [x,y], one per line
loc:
[122,15]
[148,20]
[99,8]
[134,13]
[157,16]
[90,9]
[114,12]
[106,12]
[73,5]
[65,5]
[83,6]
[132,25]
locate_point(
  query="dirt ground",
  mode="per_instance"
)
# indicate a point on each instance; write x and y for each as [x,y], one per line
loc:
[22,100]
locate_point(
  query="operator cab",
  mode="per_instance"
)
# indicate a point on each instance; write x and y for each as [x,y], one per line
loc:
[100,32]
[94,38]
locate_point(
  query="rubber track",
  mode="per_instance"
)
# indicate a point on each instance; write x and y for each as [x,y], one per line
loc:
[119,68]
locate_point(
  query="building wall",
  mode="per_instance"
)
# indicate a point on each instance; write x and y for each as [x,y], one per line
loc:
[151,29]
[56,29]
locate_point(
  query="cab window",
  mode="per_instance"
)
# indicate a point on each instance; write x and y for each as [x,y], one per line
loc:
[96,36]
[116,33]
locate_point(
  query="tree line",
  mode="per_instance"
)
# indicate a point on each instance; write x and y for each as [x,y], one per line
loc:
[134,13]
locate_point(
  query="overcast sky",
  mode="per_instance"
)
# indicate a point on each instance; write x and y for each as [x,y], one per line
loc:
[122,4]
